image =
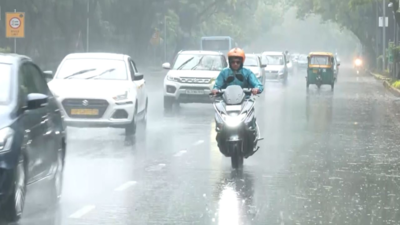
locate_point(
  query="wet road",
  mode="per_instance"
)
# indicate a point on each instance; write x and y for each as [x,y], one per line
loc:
[327,158]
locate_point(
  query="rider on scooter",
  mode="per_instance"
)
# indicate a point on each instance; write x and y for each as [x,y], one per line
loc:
[242,77]
[236,59]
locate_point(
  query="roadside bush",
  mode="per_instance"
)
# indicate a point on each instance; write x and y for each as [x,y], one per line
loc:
[5,50]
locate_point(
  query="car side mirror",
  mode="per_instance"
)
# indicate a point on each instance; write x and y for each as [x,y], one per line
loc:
[263,65]
[36,101]
[139,76]
[338,64]
[166,66]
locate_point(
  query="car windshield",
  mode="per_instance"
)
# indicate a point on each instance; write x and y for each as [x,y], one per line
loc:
[100,69]
[198,62]
[251,61]
[273,59]
[320,60]
[5,83]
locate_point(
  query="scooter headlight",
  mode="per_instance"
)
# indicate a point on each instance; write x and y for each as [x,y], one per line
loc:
[358,62]
[233,120]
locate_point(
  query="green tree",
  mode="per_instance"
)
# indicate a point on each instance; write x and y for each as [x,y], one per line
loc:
[55,28]
[358,16]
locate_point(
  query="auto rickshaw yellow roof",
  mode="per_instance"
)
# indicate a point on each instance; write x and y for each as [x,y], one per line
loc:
[321,53]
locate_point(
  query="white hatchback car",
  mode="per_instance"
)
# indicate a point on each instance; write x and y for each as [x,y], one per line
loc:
[100,90]
[192,76]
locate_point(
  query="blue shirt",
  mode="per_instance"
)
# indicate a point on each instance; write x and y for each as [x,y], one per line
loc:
[250,80]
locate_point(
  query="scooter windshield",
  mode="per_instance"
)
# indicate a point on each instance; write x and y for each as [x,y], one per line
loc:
[233,95]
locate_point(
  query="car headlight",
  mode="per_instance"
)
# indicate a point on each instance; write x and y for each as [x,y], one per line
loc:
[121,97]
[6,138]
[172,78]
[233,121]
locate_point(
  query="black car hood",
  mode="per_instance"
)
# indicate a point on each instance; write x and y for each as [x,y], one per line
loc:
[5,119]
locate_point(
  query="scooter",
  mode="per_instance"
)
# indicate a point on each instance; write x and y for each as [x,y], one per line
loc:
[235,121]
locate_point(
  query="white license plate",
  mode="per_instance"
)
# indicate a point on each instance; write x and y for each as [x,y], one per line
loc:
[195,92]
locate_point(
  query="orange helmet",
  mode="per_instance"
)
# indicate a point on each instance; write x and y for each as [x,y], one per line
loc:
[237,52]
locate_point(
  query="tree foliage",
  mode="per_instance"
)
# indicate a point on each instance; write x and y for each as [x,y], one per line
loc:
[55,28]
[358,16]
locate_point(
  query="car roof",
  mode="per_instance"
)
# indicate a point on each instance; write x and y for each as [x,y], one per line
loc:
[11,58]
[272,53]
[199,52]
[96,55]
[321,53]
[252,55]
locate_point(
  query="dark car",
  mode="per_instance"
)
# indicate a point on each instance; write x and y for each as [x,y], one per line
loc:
[32,134]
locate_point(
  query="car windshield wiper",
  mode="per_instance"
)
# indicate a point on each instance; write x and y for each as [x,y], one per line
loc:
[79,73]
[102,73]
[183,64]
[198,64]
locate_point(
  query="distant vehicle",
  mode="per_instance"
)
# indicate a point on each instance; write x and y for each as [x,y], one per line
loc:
[302,62]
[320,69]
[217,43]
[253,62]
[32,135]
[276,65]
[101,90]
[191,77]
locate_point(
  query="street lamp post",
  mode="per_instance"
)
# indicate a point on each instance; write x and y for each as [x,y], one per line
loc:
[87,26]
[384,35]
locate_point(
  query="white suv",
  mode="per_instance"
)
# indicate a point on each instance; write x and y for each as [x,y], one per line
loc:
[192,76]
[100,90]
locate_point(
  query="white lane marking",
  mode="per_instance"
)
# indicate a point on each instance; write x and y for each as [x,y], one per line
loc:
[198,142]
[78,214]
[125,186]
[180,153]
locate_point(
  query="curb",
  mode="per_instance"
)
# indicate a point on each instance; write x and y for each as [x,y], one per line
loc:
[393,90]
[378,76]
[386,84]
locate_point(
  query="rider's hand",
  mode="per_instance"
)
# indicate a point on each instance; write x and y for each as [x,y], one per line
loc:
[214,91]
[255,91]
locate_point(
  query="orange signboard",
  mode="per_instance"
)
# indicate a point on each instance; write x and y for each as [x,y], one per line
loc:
[15,25]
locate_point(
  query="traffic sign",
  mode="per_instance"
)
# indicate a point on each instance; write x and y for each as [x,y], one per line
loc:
[15,25]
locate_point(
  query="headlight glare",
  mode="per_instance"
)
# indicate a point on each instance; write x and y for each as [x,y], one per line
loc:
[233,121]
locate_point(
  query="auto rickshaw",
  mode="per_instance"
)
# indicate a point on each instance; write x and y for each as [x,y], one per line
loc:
[320,69]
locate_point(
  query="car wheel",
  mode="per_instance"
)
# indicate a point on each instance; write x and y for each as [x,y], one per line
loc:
[168,103]
[130,129]
[14,205]
[57,181]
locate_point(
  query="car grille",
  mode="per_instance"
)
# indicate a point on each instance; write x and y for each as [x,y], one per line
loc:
[192,80]
[97,104]
[194,88]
